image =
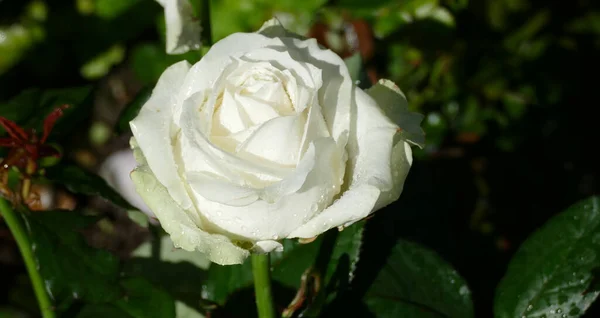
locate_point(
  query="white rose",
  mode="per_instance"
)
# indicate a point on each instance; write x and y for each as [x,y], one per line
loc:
[267,138]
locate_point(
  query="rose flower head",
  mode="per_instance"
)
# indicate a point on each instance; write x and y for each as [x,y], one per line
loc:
[268,138]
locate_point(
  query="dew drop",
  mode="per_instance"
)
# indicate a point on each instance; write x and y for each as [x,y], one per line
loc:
[558,311]
[275,237]
[530,307]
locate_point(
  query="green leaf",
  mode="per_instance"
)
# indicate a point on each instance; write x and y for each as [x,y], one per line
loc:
[416,282]
[22,106]
[79,100]
[101,64]
[224,280]
[336,262]
[132,109]
[97,311]
[143,300]
[288,266]
[109,9]
[71,269]
[78,180]
[149,60]
[360,4]
[176,271]
[553,272]
[32,105]
[181,280]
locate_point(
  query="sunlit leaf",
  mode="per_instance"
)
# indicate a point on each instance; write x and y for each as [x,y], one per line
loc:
[553,272]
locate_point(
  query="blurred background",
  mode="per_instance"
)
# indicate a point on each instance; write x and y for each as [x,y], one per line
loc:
[507,87]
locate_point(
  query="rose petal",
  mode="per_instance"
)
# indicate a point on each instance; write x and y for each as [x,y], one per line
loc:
[309,75]
[315,128]
[183,28]
[370,143]
[219,190]
[308,190]
[153,129]
[204,73]
[273,28]
[227,119]
[267,246]
[183,231]
[198,152]
[380,160]
[393,103]
[115,170]
[354,205]
[401,162]
[277,140]
[336,94]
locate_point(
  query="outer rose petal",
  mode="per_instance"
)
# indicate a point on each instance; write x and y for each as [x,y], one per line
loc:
[378,165]
[393,103]
[184,232]
[352,206]
[183,29]
[153,130]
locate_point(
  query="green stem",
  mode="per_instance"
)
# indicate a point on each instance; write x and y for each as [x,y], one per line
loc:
[262,285]
[18,232]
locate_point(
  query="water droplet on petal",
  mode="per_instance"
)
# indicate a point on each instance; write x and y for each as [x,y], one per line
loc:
[275,237]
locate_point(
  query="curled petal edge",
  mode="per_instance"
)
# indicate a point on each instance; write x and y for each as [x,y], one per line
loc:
[393,103]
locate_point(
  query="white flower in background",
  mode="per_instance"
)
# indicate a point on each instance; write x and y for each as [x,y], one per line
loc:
[183,28]
[115,170]
[267,138]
